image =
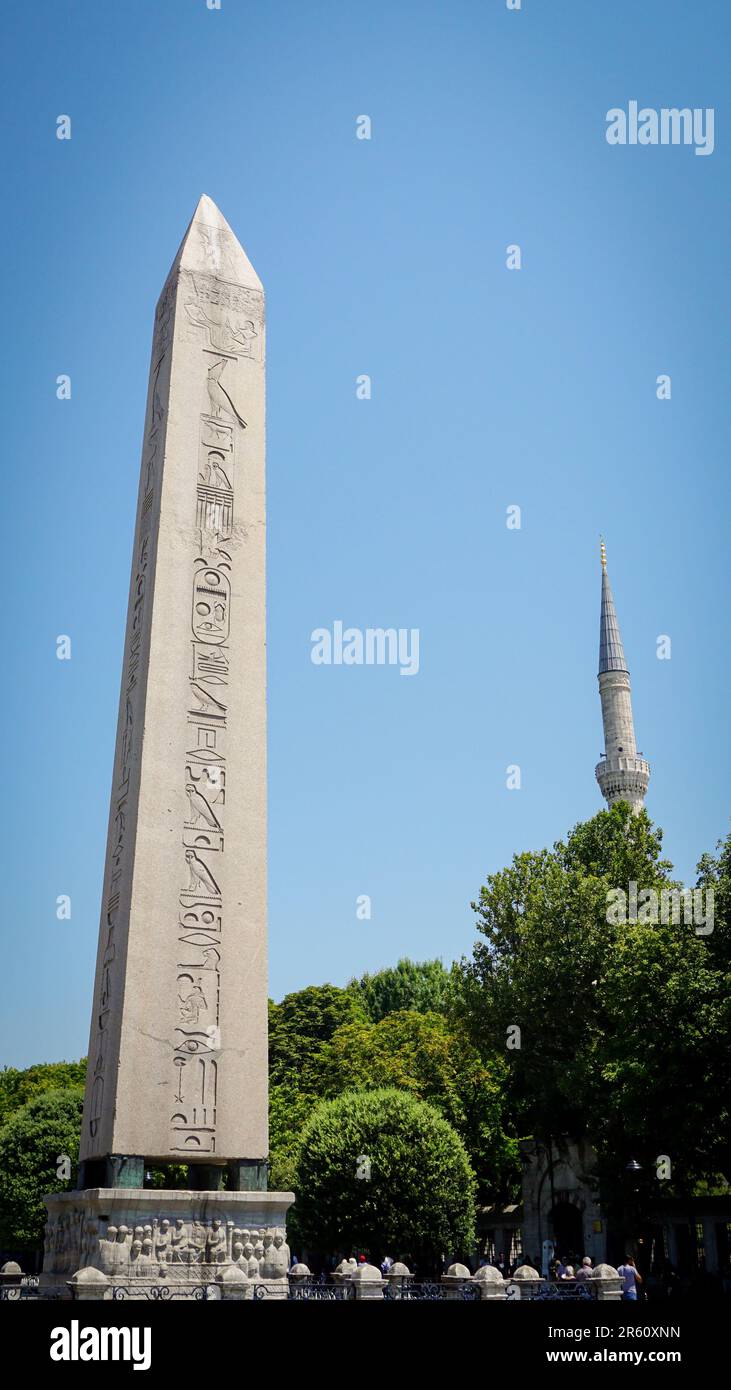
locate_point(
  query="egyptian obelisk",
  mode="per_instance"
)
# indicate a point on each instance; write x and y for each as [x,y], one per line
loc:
[178,1046]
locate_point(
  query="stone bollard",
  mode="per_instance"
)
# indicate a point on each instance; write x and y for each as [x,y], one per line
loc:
[233,1283]
[10,1277]
[298,1277]
[528,1280]
[608,1283]
[343,1273]
[89,1283]
[274,1289]
[399,1279]
[367,1282]
[455,1281]
[490,1282]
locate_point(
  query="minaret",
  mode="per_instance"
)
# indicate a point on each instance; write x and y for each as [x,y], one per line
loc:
[622,773]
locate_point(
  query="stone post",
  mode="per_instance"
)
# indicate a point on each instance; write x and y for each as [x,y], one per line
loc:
[399,1280]
[608,1283]
[89,1283]
[233,1283]
[455,1281]
[274,1288]
[298,1277]
[10,1277]
[528,1280]
[490,1282]
[368,1282]
[343,1273]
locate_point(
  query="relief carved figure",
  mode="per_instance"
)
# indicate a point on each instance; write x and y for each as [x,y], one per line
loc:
[163,1241]
[179,1243]
[213,474]
[199,808]
[206,702]
[191,1005]
[165,1249]
[274,1264]
[200,876]
[215,1252]
[209,289]
[222,407]
[222,330]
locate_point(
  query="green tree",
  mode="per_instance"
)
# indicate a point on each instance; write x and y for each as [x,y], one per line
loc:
[623,1026]
[424,1054]
[18,1087]
[541,964]
[660,1062]
[714,872]
[302,1023]
[32,1141]
[416,1197]
[300,1028]
[289,1109]
[419,985]
[671,984]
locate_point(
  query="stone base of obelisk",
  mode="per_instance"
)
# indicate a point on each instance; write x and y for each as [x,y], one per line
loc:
[116,1242]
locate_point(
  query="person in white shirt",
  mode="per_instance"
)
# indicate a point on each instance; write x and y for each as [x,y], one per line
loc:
[631,1278]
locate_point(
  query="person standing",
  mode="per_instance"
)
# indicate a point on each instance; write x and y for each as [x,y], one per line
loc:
[631,1279]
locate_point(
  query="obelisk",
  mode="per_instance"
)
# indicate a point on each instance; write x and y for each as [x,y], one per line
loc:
[178,1045]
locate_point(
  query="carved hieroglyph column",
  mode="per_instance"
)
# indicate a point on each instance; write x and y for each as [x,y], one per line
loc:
[178,1047]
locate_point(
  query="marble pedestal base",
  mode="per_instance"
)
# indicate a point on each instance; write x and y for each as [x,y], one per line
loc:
[113,1238]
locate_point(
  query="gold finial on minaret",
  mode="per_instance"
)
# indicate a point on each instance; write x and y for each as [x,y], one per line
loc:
[603,553]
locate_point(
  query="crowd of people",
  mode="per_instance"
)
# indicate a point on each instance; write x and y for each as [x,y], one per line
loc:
[661,1284]
[567,1267]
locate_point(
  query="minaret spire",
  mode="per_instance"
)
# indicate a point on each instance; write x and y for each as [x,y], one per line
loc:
[622,773]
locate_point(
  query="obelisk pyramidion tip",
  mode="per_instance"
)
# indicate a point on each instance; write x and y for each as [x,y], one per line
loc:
[210,247]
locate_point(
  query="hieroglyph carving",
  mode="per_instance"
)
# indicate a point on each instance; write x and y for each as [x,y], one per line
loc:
[223,316]
[219,312]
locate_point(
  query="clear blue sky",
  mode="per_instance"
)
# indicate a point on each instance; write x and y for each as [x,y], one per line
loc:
[490,388]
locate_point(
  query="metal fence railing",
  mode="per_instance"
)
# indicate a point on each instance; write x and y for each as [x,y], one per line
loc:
[325,1289]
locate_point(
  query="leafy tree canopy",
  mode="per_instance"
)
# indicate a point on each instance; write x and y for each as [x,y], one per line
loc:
[414,1198]
[18,1087]
[302,1023]
[32,1142]
[623,1026]
[424,1054]
[419,985]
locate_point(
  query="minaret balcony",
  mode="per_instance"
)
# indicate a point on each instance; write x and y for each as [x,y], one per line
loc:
[623,777]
